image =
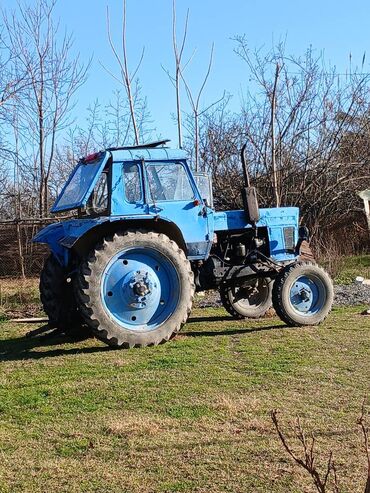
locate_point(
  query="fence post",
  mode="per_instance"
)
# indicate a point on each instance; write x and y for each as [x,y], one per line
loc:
[365,195]
[20,251]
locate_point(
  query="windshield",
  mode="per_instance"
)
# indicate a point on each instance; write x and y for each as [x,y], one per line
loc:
[80,185]
[169,181]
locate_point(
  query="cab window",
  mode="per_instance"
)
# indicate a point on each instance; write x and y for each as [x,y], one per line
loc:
[132,183]
[98,201]
[169,181]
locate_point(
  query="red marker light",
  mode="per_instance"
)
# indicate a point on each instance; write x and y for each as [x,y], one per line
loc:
[196,202]
[91,157]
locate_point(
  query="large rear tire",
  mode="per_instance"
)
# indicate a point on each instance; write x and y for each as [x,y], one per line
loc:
[57,296]
[251,300]
[303,294]
[135,289]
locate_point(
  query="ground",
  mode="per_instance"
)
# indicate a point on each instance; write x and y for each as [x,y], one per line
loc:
[189,416]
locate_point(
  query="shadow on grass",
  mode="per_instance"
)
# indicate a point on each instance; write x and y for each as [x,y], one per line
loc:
[233,332]
[24,348]
[220,318]
[227,332]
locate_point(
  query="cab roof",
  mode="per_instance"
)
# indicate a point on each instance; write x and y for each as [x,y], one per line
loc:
[147,154]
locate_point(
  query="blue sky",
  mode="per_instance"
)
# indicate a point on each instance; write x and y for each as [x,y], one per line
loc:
[336,27]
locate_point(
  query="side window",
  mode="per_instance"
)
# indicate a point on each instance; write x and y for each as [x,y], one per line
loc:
[100,196]
[169,181]
[132,182]
[98,200]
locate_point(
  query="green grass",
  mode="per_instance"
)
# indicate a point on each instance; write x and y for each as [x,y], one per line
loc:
[19,298]
[189,416]
[344,270]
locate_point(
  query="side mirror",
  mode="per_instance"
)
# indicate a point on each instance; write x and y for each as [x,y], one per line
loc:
[250,203]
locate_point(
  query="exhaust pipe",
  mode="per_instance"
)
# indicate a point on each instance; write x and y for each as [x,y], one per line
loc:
[249,194]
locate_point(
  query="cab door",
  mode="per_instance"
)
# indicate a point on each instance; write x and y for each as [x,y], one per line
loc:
[172,195]
[128,197]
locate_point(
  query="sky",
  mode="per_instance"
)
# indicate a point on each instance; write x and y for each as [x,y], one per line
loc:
[337,28]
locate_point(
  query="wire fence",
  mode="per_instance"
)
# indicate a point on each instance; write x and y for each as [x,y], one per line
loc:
[19,257]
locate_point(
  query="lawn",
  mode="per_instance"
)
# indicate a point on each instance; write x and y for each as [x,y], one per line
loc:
[189,416]
[344,270]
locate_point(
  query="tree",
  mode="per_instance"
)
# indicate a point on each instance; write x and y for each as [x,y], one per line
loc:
[307,460]
[308,141]
[53,77]
[126,77]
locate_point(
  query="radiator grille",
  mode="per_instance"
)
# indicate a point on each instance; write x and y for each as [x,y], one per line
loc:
[289,239]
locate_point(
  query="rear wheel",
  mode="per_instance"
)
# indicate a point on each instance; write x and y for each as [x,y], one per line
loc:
[252,299]
[303,294]
[57,296]
[135,289]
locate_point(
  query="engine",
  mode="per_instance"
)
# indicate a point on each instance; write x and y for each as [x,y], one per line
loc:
[230,250]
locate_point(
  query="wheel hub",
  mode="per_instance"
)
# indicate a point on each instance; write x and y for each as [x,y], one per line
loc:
[305,294]
[139,288]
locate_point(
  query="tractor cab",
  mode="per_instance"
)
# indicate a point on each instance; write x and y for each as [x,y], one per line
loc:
[134,179]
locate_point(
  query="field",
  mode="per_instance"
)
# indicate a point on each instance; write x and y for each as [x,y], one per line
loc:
[188,416]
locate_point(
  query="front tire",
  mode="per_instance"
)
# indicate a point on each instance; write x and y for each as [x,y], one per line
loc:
[303,294]
[135,289]
[251,300]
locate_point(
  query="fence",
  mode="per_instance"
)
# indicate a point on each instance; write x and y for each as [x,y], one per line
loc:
[19,257]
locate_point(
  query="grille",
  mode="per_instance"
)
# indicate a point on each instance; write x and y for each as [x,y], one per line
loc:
[289,239]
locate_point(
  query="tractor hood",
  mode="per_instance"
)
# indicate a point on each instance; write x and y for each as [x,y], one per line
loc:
[81,182]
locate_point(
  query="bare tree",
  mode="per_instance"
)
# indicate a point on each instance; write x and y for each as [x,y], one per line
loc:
[307,129]
[365,434]
[178,50]
[12,77]
[54,78]
[126,77]
[308,459]
[197,112]
[273,143]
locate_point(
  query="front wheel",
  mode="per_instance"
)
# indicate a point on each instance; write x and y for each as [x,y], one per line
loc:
[135,289]
[303,294]
[252,299]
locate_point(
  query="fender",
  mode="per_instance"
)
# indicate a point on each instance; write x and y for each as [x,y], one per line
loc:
[67,235]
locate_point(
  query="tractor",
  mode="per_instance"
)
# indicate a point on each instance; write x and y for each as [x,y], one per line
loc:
[144,237]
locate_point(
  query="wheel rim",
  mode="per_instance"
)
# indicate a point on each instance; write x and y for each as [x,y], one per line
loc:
[140,288]
[307,295]
[251,295]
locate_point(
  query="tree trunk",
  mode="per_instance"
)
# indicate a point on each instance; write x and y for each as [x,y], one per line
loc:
[273,143]
[367,487]
[196,141]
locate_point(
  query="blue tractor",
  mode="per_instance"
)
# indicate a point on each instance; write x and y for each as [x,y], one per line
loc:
[145,237]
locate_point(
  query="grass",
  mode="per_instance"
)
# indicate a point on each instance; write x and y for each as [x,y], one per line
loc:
[344,270]
[189,416]
[19,297]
